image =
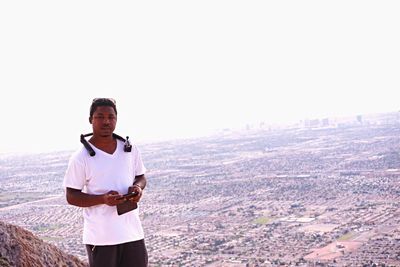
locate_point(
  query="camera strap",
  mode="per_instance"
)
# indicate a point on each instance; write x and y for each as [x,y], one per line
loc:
[92,153]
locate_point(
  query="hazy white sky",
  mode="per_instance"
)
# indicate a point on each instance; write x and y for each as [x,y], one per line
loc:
[186,68]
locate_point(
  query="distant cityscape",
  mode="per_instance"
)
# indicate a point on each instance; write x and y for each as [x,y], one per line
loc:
[323,192]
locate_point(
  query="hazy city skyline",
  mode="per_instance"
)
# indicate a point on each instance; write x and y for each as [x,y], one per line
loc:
[184,69]
[323,197]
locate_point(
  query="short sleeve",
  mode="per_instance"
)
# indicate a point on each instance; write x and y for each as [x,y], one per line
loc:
[138,163]
[75,174]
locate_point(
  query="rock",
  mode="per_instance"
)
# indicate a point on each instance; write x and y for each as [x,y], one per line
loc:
[20,248]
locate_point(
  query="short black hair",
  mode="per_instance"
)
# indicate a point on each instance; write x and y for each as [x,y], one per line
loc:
[98,102]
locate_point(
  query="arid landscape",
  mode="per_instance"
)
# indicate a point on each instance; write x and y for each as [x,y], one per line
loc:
[320,193]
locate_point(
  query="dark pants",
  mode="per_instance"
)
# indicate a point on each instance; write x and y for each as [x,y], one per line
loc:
[131,254]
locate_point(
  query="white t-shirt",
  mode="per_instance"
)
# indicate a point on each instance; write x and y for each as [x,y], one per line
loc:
[98,175]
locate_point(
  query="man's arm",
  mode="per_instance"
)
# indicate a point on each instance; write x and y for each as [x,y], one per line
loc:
[138,185]
[77,198]
[140,181]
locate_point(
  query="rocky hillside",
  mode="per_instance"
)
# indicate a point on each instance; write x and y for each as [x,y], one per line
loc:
[20,248]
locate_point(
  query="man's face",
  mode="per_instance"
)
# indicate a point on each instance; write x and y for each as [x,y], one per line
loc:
[104,121]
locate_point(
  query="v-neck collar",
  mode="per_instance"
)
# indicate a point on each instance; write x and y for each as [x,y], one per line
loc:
[104,152]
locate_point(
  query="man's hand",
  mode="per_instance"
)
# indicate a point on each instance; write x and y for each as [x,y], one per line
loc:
[138,190]
[112,198]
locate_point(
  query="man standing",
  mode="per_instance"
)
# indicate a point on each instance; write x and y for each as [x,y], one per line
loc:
[98,182]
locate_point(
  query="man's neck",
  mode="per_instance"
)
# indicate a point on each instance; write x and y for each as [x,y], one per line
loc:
[102,141]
